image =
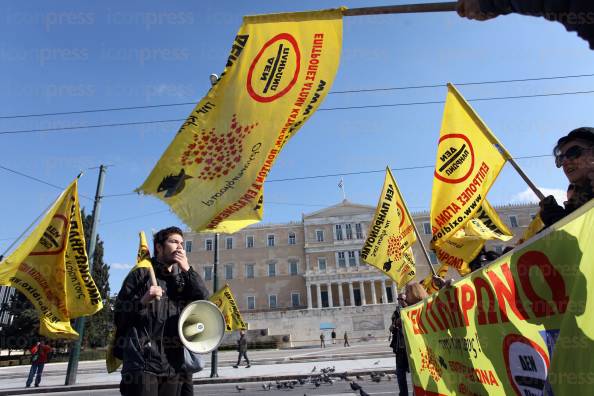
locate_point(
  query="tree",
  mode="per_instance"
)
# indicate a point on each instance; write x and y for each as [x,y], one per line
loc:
[98,326]
[23,329]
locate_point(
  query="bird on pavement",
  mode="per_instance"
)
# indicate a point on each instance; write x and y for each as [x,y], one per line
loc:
[301,381]
[355,386]
[363,393]
[239,388]
[359,377]
[389,377]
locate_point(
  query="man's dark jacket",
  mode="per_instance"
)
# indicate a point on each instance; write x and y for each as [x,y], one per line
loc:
[242,343]
[146,337]
[575,15]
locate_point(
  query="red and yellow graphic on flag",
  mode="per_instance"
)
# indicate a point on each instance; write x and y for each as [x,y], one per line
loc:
[522,326]
[391,235]
[466,243]
[279,71]
[51,268]
[466,166]
[225,300]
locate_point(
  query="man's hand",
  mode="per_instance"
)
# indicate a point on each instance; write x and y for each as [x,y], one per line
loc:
[151,294]
[471,9]
[181,260]
[440,282]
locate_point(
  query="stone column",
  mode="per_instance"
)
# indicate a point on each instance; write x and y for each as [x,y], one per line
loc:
[319,292]
[308,286]
[330,303]
[340,296]
[362,292]
[384,293]
[394,291]
[351,293]
[373,293]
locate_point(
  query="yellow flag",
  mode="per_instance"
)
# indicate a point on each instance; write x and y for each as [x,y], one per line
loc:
[51,268]
[468,161]
[461,248]
[226,302]
[280,69]
[533,228]
[428,282]
[391,234]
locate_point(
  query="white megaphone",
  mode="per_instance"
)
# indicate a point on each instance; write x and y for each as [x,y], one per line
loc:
[201,326]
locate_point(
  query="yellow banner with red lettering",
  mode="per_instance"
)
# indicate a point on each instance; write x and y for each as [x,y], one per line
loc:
[51,268]
[467,163]
[280,69]
[225,300]
[391,234]
[524,325]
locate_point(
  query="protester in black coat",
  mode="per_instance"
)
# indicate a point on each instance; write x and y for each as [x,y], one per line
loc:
[242,349]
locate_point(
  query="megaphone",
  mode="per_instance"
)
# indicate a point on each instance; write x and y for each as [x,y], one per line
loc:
[201,326]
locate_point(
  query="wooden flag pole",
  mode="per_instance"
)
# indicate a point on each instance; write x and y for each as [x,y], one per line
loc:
[402,9]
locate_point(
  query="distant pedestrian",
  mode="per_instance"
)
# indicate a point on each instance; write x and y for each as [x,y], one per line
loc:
[322,342]
[346,340]
[333,335]
[242,349]
[39,357]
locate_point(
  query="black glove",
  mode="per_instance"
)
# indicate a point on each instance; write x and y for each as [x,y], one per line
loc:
[551,211]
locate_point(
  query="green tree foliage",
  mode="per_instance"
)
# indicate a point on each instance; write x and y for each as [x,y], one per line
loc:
[22,331]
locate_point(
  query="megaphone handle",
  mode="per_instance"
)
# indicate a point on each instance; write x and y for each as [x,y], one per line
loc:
[154,280]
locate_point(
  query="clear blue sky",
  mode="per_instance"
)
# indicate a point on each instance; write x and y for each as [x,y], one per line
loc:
[74,55]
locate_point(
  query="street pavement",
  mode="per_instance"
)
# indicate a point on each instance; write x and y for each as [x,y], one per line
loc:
[267,365]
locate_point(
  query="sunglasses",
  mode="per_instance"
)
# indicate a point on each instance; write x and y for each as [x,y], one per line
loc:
[571,153]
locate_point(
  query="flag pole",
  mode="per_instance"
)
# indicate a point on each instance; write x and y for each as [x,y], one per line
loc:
[493,139]
[423,248]
[402,9]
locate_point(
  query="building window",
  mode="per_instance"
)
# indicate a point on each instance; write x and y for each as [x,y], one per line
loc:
[249,271]
[189,246]
[341,260]
[251,302]
[427,228]
[293,268]
[249,241]
[513,221]
[292,238]
[271,269]
[228,271]
[207,273]
[349,231]
[359,231]
[352,259]
[272,301]
[322,263]
[295,297]
[270,240]
[320,235]
[229,243]
[208,244]
[432,257]
[339,232]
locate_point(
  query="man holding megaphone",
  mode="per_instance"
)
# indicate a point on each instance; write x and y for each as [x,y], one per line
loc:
[146,315]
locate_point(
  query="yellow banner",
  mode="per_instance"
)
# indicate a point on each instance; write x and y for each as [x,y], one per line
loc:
[429,284]
[522,326]
[226,302]
[390,236]
[279,71]
[466,243]
[51,268]
[533,228]
[466,166]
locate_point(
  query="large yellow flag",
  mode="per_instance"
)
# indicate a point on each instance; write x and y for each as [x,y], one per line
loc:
[225,300]
[466,243]
[391,234]
[51,268]
[280,69]
[469,158]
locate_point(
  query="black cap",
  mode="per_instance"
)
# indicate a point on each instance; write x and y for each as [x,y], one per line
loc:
[583,133]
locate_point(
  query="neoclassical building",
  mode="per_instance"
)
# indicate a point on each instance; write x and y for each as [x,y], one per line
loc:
[314,263]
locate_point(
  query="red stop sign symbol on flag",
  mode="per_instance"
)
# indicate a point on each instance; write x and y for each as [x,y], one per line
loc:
[527,365]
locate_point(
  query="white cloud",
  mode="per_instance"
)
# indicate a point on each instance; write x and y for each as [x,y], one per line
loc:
[527,196]
[120,266]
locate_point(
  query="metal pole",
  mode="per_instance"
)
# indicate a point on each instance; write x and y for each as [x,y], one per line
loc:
[402,9]
[79,324]
[214,359]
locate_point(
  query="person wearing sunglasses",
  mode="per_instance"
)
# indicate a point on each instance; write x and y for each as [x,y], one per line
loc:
[575,154]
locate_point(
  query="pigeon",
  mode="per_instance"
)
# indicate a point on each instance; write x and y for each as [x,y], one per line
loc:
[301,381]
[363,393]
[355,386]
[389,377]
[376,378]
[359,377]
[239,388]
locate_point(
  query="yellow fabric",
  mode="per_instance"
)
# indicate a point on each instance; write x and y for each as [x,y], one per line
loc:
[428,283]
[524,322]
[466,166]
[279,71]
[226,302]
[533,228]
[391,234]
[51,268]
[461,248]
